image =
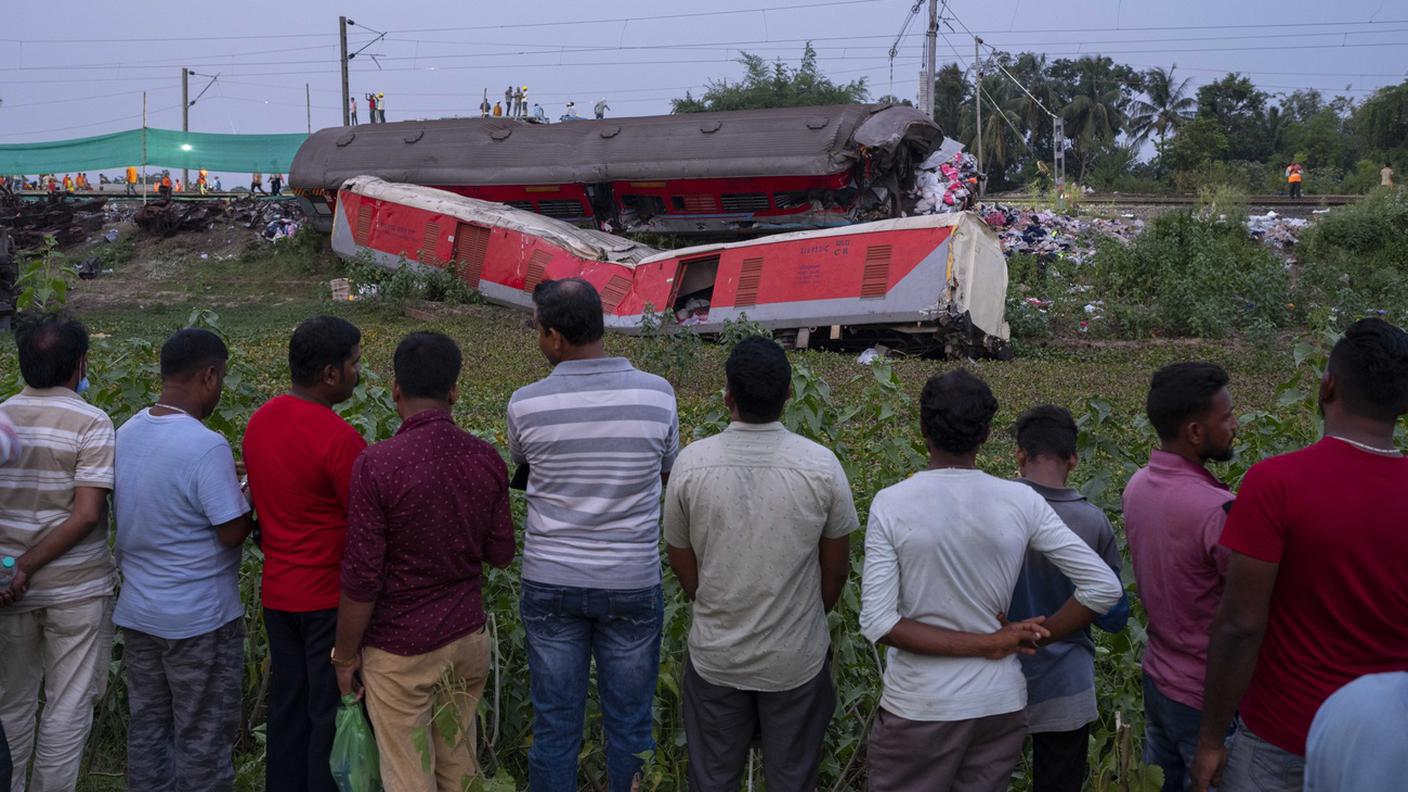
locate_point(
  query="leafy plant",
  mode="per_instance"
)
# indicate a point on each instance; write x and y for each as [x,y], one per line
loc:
[44,281]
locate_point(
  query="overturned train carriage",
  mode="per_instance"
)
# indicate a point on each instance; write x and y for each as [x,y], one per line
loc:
[935,284]
[731,173]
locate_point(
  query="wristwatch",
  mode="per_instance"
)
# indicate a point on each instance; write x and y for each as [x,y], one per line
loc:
[332,658]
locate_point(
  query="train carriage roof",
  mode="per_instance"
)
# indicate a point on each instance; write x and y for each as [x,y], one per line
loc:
[790,141]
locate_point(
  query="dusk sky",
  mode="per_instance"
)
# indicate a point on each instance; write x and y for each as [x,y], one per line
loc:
[78,68]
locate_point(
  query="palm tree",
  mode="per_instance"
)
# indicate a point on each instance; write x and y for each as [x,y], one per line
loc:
[1165,107]
[1002,145]
[1093,116]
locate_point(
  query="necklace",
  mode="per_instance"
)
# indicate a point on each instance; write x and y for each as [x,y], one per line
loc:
[1366,447]
[173,409]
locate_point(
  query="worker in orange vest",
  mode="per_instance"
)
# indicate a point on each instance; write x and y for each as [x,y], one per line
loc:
[131,180]
[201,181]
[68,183]
[1293,178]
[165,186]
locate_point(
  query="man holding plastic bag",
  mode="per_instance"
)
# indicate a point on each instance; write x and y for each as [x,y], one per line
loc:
[429,508]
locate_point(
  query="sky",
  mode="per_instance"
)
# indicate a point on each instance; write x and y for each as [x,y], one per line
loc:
[78,67]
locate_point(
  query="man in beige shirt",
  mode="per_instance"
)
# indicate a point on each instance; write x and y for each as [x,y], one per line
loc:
[757,521]
[56,613]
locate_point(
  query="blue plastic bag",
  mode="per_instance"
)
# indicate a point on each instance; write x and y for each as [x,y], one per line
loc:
[356,765]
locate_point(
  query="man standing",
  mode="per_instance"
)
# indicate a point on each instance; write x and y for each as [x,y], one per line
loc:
[1348,747]
[429,508]
[371,108]
[943,551]
[1060,676]
[1174,510]
[381,107]
[256,183]
[276,184]
[1386,175]
[1293,178]
[56,613]
[601,108]
[508,101]
[181,519]
[599,438]
[1316,590]
[757,520]
[352,106]
[484,105]
[299,454]
[9,453]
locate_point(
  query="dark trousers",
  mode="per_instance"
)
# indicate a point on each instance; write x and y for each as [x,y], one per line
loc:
[1295,189]
[975,755]
[303,701]
[1170,736]
[184,698]
[6,769]
[1059,760]
[720,722]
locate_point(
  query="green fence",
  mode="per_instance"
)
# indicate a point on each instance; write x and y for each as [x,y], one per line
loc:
[162,148]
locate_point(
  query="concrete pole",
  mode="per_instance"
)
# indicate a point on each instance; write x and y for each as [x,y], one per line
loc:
[346,93]
[931,54]
[978,108]
[144,148]
[185,117]
[308,104]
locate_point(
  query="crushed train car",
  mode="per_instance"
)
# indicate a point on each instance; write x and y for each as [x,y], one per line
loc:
[935,284]
[732,173]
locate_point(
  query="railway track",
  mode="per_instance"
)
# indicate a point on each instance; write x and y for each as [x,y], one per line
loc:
[1146,199]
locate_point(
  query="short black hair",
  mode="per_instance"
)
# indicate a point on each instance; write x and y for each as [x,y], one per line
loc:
[318,342]
[1370,365]
[1047,430]
[427,365]
[190,350]
[759,377]
[572,307]
[956,411]
[50,348]
[1181,392]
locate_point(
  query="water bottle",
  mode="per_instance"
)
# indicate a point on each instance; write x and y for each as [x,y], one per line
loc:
[7,571]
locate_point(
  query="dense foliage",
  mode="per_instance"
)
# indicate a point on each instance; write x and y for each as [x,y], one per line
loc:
[773,85]
[1355,259]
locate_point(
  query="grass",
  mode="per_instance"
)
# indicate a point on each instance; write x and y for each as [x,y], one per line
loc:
[261,293]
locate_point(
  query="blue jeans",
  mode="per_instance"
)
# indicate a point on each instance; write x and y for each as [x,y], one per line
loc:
[1170,736]
[565,628]
[1255,765]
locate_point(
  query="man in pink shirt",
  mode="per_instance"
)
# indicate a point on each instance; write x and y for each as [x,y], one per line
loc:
[1174,512]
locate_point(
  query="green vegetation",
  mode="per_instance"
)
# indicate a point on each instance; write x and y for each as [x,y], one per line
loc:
[773,85]
[1355,260]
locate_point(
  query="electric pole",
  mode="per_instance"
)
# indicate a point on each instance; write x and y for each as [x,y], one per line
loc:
[978,109]
[308,103]
[185,115]
[931,49]
[346,93]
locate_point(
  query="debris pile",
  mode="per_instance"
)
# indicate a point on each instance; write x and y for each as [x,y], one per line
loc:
[944,183]
[274,220]
[67,221]
[1048,235]
[1276,230]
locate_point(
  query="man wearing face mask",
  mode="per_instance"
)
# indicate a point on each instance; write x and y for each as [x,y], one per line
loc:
[56,613]
[180,521]
[1174,512]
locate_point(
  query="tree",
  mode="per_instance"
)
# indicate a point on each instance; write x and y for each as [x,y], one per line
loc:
[1003,146]
[952,93]
[1239,110]
[773,85]
[1164,108]
[1381,121]
[1198,143]
[1095,116]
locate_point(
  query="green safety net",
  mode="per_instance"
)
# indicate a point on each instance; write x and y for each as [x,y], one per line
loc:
[161,148]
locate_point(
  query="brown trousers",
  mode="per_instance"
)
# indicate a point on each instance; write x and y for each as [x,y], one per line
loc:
[405,693]
[976,755]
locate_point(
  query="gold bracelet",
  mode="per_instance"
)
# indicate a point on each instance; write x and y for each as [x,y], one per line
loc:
[332,657]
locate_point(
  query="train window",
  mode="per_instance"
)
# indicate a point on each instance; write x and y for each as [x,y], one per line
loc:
[561,208]
[746,202]
[790,200]
[644,206]
[694,203]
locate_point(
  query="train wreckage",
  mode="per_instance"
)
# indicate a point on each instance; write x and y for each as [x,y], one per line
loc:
[935,284]
[727,173]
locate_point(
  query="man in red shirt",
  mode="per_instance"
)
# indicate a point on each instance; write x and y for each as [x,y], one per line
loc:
[299,454]
[1317,593]
[429,509]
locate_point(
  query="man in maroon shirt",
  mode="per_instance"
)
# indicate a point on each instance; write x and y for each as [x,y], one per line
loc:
[299,454]
[1317,593]
[429,508]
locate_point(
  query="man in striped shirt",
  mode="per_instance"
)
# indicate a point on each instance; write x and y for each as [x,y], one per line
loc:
[56,614]
[599,438]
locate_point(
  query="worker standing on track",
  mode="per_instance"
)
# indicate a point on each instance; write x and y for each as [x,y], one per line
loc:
[1293,178]
[484,107]
[202,181]
[68,183]
[381,107]
[165,186]
[131,180]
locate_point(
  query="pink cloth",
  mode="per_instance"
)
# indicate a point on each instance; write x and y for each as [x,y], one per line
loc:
[1174,511]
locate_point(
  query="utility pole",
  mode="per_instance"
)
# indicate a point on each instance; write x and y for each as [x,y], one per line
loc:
[144,148]
[346,93]
[931,50]
[308,103]
[185,115]
[978,109]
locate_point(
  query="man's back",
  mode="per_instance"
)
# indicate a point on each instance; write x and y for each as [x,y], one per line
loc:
[753,503]
[299,455]
[66,443]
[1174,513]
[1332,516]
[597,434]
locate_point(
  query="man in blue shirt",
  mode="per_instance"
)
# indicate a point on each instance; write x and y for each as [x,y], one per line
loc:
[181,519]
[1060,676]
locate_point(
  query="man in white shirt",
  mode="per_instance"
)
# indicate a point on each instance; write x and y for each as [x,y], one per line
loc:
[943,550]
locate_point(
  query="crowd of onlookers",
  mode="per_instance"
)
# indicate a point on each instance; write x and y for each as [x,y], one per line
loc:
[1277,616]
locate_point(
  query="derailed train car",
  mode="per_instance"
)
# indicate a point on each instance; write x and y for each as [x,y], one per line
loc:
[729,173]
[934,284]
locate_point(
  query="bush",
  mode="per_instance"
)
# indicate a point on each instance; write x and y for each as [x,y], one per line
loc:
[1355,259]
[1196,276]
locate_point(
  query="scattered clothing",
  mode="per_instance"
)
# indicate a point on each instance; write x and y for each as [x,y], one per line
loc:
[1329,515]
[1353,743]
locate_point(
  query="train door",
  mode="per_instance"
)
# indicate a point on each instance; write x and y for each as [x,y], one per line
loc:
[694,290]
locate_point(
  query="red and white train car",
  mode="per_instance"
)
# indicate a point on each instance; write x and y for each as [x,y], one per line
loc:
[936,282]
